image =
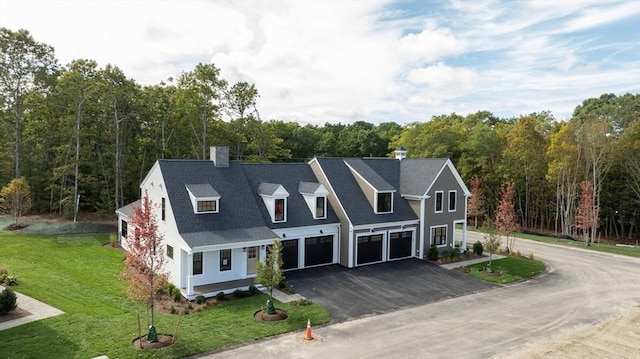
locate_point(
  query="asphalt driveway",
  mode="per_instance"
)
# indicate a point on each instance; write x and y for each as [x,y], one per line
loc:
[379,288]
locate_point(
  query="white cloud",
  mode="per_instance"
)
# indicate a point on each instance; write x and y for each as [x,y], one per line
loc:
[317,62]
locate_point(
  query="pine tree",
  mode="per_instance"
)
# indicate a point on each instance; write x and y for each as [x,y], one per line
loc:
[144,259]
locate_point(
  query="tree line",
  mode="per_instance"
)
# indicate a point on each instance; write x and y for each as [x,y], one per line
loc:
[84,137]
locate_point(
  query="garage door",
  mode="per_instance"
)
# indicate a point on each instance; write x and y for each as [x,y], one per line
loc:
[369,249]
[318,250]
[400,244]
[290,254]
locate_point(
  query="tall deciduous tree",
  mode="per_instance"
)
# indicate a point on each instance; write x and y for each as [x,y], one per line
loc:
[145,257]
[25,66]
[564,172]
[475,207]
[588,213]
[269,273]
[506,218]
[15,198]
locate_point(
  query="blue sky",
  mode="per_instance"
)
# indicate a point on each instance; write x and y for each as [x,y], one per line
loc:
[376,61]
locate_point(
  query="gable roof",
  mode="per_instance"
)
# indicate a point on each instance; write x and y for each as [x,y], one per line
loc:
[238,214]
[417,175]
[354,201]
[289,176]
[128,209]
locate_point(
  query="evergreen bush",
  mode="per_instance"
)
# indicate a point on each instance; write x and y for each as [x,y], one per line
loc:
[8,301]
[432,254]
[478,248]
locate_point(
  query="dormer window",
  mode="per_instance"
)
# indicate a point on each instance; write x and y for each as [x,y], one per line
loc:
[315,195]
[279,212]
[321,207]
[275,200]
[376,189]
[384,202]
[204,198]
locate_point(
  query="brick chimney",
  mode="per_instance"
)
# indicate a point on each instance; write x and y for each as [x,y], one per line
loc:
[220,156]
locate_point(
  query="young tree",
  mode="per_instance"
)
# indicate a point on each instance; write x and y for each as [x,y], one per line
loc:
[588,212]
[506,219]
[15,198]
[492,242]
[475,206]
[269,273]
[144,259]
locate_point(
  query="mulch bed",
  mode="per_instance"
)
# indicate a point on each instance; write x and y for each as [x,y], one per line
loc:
[14,314]
[164,340]
[15,227]
[266,317]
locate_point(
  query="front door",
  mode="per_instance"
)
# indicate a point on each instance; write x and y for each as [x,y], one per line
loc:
[252,259]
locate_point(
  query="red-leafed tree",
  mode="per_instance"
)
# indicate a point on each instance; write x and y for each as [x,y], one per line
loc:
[475,207]
[506,219]
[588,212]
[144,260]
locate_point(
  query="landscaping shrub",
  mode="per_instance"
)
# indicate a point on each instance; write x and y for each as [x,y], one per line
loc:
[282,284]
[453,254]
[4,273]
[220,296]
[445,254]
[200,299]
[432,254]
[176,295]
[253,290]
[478,248]
[530,256]
[8,301]
[238,293]
[172,310]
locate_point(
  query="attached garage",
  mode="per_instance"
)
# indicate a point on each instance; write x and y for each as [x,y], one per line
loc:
[290,254]
[369,249]
[318,250]
[400,244]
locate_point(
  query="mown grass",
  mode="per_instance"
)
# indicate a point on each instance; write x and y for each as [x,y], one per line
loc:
[78,275]
[600,247]
[512,269]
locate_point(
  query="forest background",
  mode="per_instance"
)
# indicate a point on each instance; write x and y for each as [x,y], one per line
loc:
[84,137]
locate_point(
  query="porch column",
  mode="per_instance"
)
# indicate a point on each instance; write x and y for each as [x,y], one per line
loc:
[464,235]
[189,274]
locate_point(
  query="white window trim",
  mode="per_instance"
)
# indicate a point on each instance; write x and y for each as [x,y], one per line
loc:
[273,213]
[375,202]
[446,234]
[455,201]
[315,209]
[204,199]
[435,202]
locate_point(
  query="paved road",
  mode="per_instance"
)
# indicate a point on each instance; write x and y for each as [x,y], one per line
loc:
[581,289]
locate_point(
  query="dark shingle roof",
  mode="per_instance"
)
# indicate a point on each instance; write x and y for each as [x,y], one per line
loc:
[289,175]
[369,175]
[128,209]
[418,174]
[353,199]
[308,187]
[238,208]
[267,188]
[202,190]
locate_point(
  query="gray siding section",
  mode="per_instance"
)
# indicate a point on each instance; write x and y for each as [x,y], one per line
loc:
[445,182]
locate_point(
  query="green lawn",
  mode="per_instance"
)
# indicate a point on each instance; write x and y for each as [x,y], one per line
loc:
[512,269]
[79,276]
[609,248]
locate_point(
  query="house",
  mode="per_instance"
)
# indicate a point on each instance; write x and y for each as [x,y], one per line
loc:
[218,217]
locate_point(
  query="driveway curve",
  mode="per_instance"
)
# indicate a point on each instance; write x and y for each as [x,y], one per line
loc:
[581,289]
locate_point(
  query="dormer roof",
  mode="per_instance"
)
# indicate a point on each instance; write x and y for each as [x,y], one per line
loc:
[203,190]
[312,189]
[359,168]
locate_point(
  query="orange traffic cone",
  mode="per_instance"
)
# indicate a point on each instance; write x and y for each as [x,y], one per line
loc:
[308,335]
